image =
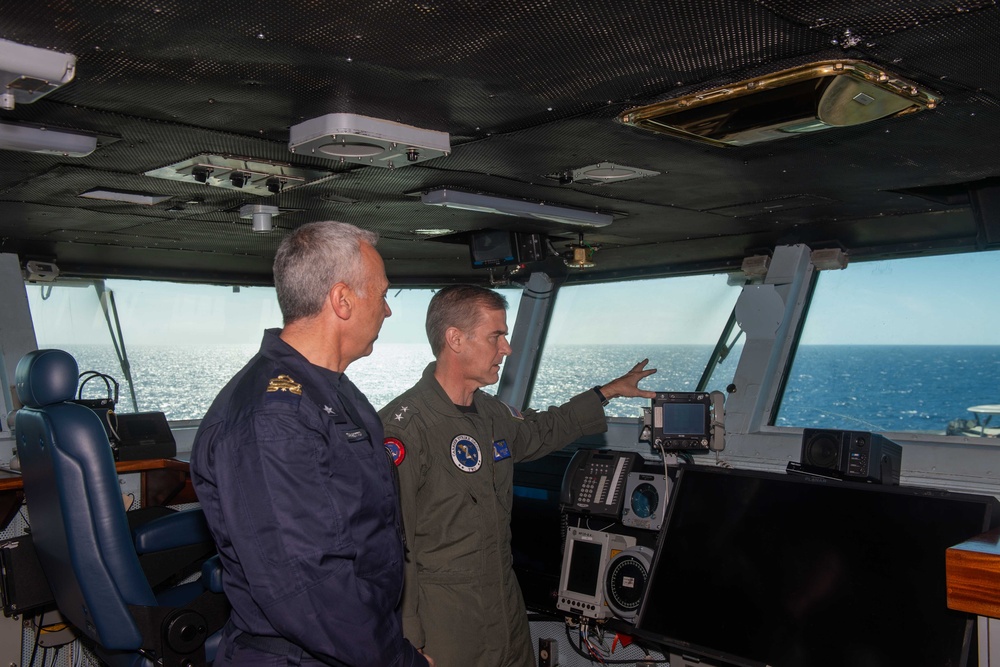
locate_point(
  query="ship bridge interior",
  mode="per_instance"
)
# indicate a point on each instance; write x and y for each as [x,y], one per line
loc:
[754,148]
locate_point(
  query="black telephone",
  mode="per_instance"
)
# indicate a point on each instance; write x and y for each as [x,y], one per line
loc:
[595,481]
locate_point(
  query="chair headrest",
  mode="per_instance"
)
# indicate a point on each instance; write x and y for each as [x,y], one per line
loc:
[45,377]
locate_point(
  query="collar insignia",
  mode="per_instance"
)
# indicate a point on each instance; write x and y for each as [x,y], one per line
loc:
[284,383]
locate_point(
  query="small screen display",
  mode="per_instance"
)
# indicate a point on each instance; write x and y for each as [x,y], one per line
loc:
[584,567]
[684,418]
[492,248]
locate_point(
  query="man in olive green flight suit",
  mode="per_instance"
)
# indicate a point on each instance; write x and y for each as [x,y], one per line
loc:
[455,447]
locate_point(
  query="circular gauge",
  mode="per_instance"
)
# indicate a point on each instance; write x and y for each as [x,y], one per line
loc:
[625,582]
[645,500]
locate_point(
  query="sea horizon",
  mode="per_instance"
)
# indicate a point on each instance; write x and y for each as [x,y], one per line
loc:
[859,387]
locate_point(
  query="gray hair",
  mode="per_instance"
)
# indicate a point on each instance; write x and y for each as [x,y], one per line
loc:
[459,306]
[314,258]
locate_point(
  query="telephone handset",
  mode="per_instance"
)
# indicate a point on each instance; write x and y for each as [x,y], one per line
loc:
[595,481]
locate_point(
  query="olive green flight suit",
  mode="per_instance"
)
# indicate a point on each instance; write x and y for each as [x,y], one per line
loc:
[461,600]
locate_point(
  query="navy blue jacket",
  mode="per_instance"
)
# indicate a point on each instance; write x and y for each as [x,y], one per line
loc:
[299,493]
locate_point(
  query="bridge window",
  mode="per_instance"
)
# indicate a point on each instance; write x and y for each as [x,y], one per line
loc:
[176,345]
[908,345]
[402,351]
[598,332]
[171,346]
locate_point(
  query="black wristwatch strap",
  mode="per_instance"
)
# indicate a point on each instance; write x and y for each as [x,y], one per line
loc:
[600,395]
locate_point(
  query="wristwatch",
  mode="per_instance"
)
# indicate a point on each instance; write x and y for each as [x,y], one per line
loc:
[600,395]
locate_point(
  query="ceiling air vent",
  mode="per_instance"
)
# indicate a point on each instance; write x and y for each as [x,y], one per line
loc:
[810,98]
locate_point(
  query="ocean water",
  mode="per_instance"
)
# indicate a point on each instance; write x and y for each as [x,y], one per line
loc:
[873,388]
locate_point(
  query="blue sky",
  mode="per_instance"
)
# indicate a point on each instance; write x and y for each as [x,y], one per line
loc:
[941,300]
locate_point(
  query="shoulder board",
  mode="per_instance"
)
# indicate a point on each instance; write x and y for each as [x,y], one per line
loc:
[400,414]
[282,387]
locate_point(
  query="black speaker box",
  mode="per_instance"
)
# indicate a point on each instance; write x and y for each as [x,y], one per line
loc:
[856,455]
[23,584]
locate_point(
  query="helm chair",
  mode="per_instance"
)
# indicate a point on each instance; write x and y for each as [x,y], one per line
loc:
[87,551]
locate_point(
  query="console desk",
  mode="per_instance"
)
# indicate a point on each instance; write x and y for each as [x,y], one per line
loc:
[972,572]
[162,482]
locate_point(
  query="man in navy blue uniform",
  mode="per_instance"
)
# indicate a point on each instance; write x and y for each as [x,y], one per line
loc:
[290,468]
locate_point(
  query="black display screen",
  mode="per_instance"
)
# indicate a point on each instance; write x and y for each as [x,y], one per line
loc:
[492,248]
[685,418]
[758,568]
[584,567]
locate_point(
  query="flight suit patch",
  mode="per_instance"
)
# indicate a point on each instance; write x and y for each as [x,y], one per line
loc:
[465,453]
[514,412]
[500,450]
[396,450]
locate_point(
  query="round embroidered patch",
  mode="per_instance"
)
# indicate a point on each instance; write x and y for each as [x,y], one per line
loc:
[396,449]
[466,454]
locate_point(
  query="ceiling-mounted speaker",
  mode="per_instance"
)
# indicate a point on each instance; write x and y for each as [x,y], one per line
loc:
[367,141]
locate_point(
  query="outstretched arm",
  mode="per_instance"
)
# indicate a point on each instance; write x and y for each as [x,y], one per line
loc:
[628,384]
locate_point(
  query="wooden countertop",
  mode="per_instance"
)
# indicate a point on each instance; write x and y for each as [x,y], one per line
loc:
[973,575]
[10,481]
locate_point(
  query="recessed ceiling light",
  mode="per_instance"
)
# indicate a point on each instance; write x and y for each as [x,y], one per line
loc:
[605,172]
[144,198]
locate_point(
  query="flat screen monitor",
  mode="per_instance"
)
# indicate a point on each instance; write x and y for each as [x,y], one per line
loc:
[492,248]
[758,568]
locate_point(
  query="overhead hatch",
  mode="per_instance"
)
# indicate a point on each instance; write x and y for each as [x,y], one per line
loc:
[810,98]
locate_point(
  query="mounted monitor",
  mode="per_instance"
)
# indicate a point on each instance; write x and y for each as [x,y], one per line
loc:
[585,564]
[757,568]
[682,420]
[495,247]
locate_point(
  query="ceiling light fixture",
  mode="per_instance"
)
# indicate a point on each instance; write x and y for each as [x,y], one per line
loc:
[470,201]
[804,99]
[260,215]
[37,139]
[367,141]
[144,198]
[28,73]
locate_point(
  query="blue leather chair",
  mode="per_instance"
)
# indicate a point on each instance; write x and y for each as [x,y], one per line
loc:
[82,536]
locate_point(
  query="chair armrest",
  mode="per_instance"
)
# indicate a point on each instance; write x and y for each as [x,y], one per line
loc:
[179,529]
[211,574]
